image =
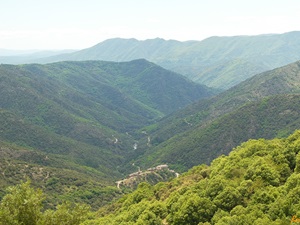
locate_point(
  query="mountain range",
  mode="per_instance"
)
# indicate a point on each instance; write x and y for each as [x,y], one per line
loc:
[265,106]
[92,111]
[76,127]
[84,114]
[219,62]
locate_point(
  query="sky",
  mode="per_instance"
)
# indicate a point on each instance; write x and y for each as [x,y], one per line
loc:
[78,24]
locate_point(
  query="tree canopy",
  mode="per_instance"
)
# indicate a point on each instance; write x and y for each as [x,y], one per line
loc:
[257,183]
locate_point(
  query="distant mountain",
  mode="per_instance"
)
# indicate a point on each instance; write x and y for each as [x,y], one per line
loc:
[263,106]
[85,113]
[219,62]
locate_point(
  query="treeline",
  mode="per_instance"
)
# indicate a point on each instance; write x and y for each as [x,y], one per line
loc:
[258,183]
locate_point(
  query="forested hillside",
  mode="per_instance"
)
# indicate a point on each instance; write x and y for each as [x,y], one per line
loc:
[92,102]
[76,128]
[276,116]
[60,178]
[149,112]
[258,183]
[70,126]
[255,108]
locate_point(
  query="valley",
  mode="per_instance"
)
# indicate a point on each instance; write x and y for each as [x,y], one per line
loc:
[83,118]
[114,135]
[260,107]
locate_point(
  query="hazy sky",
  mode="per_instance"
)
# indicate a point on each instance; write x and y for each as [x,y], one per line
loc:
[77,24]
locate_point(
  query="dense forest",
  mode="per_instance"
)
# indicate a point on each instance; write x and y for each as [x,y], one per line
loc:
[84,142]
[69,126]
[149,112]
[264,106]
[257,183]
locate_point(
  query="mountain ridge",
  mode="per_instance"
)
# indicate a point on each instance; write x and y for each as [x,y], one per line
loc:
[219,62]
[184,135]
[104,116]
[69,126]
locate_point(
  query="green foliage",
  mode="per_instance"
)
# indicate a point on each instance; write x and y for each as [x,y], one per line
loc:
[75,121]
[72,117]
[144,191]
[265,106]
[65,214]
[191,209]
[228,199]
[247,187]
[60,179]
[205,140]
[23,205]
[148,218]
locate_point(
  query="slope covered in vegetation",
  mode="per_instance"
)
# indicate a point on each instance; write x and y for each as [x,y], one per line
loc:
[220,62]
[60,177]
[276,116]
[264,106]
[283,80]
[69,126]
[87,110]
[258,183]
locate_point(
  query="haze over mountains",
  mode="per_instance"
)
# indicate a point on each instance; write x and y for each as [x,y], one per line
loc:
[219,62]
[78,125]
[27,56]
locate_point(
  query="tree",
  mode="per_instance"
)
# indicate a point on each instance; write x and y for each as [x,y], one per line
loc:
[193,210]
[228,199]
[22,205]
[148,218]
[262,169]
[144,191]
[66,214]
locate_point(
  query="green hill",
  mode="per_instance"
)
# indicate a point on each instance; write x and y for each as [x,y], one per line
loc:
[271,117]
[197,134]
[219,62]
[258,183]
[283,80]
[119,96]
[75,128]
[60,178]
[83,115]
